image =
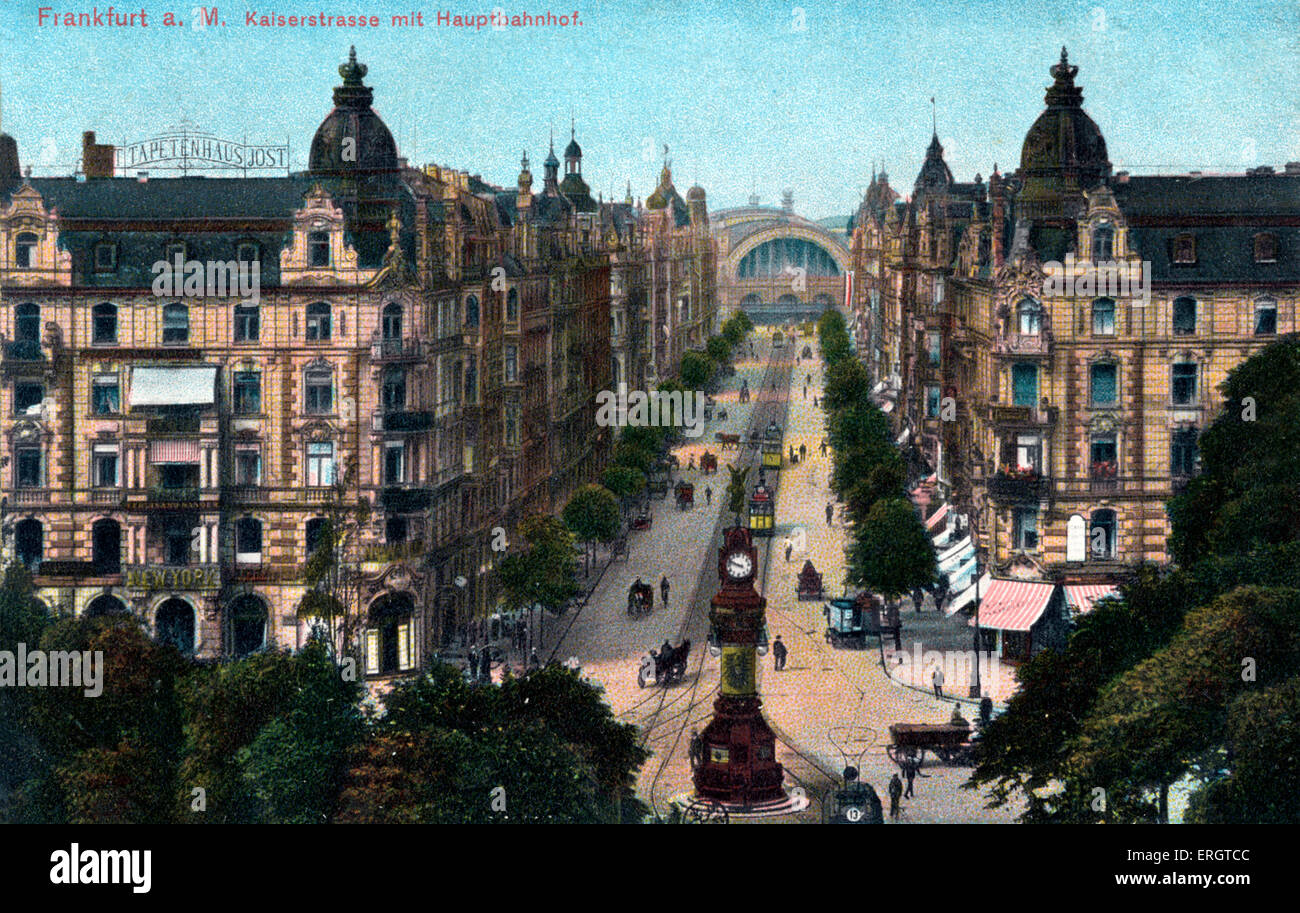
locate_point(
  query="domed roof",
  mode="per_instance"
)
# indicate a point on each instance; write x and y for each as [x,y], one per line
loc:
[372,148]
[1064,152]
[695,193]
[573,150]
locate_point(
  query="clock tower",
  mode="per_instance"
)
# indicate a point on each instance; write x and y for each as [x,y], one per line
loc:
[739,765]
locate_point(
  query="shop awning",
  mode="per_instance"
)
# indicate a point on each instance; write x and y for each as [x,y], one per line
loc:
[954,551]
[173,452]
[179,386]
[936,518]
[967,596]
[1082,598]
[902,438]
[1014,605]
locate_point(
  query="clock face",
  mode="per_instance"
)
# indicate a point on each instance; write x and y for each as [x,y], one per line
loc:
[739,565]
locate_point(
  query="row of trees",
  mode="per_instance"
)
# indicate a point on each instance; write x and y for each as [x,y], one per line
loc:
[1194,673]
[700,369]
[890,552]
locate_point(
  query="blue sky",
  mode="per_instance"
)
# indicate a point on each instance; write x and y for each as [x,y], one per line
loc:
[745,99]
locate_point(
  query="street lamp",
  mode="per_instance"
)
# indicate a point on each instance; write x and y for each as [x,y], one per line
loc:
[975,683]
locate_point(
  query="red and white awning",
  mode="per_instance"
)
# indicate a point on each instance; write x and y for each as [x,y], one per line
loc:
[1014,605]
[174,452]
[936,518]
[1082,598]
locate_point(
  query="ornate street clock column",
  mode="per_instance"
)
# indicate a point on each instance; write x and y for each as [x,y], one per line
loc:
[739,764]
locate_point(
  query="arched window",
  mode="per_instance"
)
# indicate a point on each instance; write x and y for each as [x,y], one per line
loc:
[248,540]
[174,625]
[104,324]
[246,629]
[106,546]
[1103,317]
[1103,242]
[27,323]
[392,320]
[318,322]
[471,311]
[390,643]
[176,324]
[105,606]
[1265,317]
[25,250]
[1102,535]
[1029,317]
[1184,316]
[29,542]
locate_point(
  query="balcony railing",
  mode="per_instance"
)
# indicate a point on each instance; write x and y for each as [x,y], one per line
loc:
[24,350]
[402,420]
[1007,487]
[1022,415]
[1022,344]
[31,496]
[174,424]
[173,495]
[394,349]
[405,500]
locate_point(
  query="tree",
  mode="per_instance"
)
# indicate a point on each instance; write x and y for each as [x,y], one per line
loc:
[625,482]
[891,554]
[733,333]
[631,455]
[697,370]
[545,574]
[22,620]
[592,514]
[886,479]
[719,349]
[649,438]
[742,320]
[832,334]
[847,384]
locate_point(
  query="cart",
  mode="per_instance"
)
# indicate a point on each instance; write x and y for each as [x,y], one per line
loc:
[810,583]
[708,463]
[685,492]
[950,742]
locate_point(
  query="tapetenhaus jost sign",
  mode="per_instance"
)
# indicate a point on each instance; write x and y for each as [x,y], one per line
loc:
[200,150]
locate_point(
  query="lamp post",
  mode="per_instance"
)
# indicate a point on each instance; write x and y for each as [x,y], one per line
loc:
[979,563]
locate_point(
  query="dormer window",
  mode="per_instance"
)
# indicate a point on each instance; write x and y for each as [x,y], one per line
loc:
[105,257]
[1265,248]
[1103,242]
[1185,249]
[318,248]
[25,250]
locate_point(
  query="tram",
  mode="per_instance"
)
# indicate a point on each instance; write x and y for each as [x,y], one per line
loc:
[772,448]
[778,340]
[762,511]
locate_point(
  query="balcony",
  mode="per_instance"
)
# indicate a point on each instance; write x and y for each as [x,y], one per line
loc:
[174,424]
[1007,487]
[106,496]
[401,500]
[402,421]
[23,350]
[32,496]
[1022,415]
[392,350]
[1021,345]
[172,577]
[165,494]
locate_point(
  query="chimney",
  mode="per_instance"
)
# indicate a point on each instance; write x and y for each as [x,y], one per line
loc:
[96,159]
[1121,177]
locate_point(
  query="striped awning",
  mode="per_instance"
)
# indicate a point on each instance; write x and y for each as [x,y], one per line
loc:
[1082,598]
[954,551]
[936,518]
[174,452]
[967,596]
[1014,605]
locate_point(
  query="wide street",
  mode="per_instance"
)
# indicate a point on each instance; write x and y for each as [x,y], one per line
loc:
[830,707]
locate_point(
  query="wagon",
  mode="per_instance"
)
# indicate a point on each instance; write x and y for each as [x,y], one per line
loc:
[950,742]
[685,492]
[708,463]
[810,582]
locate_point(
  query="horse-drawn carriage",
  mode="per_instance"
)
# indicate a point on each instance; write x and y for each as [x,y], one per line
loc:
[640,599]
[666,666]
[807,351]
[810,583]
[949,741]
[728,441]
[685,493]
[708,463]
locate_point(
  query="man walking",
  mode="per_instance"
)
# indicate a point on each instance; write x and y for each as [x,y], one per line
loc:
[803,452]
[830,513]
[696,749]
[708,495]
[909,771]
[789,547]
[779,653]
[895,793]
[663,590]
[918,597]
[823,446]
[937,680]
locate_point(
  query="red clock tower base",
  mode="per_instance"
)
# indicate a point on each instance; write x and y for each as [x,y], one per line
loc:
[739,765]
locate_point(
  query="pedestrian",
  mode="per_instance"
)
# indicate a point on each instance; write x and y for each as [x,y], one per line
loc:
[803,452]
[830,513]
[473,662]
[823,444]
[918,596]
[789,547]
[485,664]
[534,660]
[696,749]
[807,380]
[805,391]
[937,680]
[779,653]
[708,495]
[663,589]
[909,771]
[895,794]
[690,464]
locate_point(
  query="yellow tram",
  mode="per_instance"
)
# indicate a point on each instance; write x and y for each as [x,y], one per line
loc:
[778,340]
[772,448]
[762,511]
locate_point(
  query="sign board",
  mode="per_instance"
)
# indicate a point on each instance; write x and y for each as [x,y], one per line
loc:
[185,150]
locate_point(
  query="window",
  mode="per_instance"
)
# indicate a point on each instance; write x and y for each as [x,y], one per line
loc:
[1029,450]
[512,306]
[320,464]
[1104,456]
[105,257]
[315,533]
[395,531]
[1025,528]
[106,546]
[471,311]
[1103,242]
[932,401]
[318,248]
[174,625]
[1101,538]
[247,252]
[1182,452]
[248,540]
[471,381]
[934,346]
[318,322]
[1029,317]
[1265,248]
[27,323]
[29,542]
[27,467]
[1104,384]
[1185,249]
[392,321]
[247,625]
[1103,317]
[318,383]
[248,323]
[178,539]
[1024,385]
[248,392]
[394,390]
[1184,316]
[27,395]
[1183,383]
[512,364]
[512,426]
[106,395]
[248,465]
[176,324]
[104,464]
[1265,317]
[394,463]
[25,251]
[389,645]
[104,324]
